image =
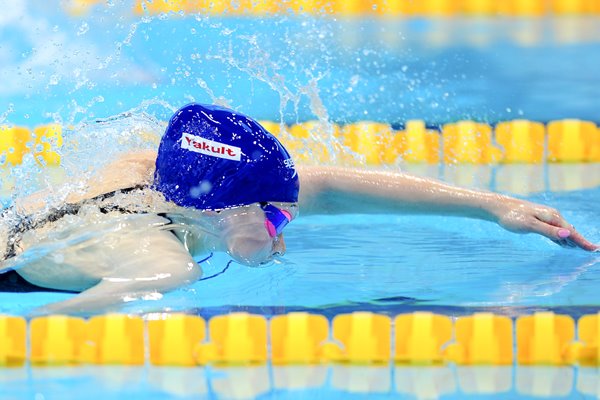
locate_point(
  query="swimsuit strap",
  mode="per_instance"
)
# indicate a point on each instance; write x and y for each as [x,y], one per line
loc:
[29,222]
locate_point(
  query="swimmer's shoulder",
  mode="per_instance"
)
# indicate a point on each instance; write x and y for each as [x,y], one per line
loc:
[129,170]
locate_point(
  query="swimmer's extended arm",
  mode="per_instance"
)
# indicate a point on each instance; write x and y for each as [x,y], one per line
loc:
[162,265]
[337,189]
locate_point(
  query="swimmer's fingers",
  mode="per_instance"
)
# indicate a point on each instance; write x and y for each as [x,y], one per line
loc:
[564,234]
[579,241]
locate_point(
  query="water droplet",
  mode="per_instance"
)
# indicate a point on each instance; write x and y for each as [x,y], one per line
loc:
[83,28]
[54,79]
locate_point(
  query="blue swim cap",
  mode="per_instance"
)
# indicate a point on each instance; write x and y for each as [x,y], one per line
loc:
[211,158]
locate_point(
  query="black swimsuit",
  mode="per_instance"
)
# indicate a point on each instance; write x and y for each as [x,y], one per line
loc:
[11,281]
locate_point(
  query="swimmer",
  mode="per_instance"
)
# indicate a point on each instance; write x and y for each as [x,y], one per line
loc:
[218,183]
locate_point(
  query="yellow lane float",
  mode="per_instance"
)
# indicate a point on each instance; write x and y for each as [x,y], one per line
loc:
[297,338]
[13,339]
[173,340]
[469,142]
[420,337]
[573,140]
[115,339]
[544,338]
[57,340]
[523,141]
[482,338]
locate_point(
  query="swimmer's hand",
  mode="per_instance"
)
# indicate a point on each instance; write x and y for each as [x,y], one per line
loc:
[525,217]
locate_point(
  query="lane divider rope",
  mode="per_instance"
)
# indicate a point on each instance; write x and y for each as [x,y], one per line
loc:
[374,143]
[360,338]
[354,8]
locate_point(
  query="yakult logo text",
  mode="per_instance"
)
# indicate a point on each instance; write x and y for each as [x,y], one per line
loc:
[210,147]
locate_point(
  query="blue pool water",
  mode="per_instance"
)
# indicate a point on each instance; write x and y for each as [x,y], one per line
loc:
[109,61]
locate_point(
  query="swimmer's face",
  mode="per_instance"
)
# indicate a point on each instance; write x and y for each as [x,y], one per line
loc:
[250,237]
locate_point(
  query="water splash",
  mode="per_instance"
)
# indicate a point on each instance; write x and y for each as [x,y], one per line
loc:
[83,142]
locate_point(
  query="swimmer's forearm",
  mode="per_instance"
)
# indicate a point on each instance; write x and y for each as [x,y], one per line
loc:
[334,189]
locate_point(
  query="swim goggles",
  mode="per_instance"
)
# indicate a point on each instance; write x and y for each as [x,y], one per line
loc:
[275,219]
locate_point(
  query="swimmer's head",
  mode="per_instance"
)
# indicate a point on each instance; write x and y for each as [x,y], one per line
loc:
[213,158]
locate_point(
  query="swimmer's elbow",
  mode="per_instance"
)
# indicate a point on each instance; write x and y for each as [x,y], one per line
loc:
[174,278]
[162,281]
[163,274]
